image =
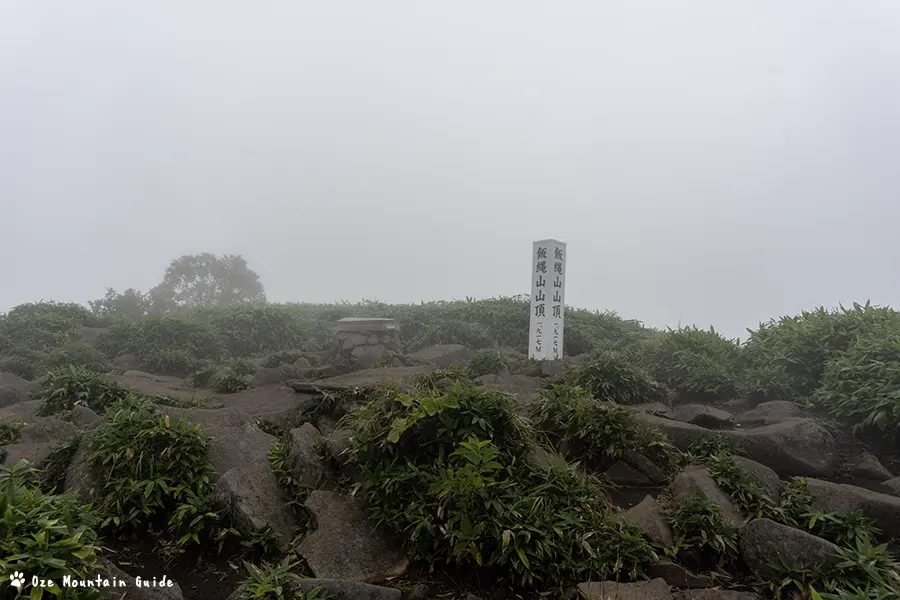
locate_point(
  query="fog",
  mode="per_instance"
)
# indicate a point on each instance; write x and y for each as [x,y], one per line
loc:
[706,162]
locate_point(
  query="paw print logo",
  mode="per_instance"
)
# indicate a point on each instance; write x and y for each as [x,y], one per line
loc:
[17,579]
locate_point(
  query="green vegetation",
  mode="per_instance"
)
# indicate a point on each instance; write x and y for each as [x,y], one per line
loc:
[612,377]
[275,582]
[77,385]
[50,535]
[448,470]
[702,535]
[596,432]
[152,472]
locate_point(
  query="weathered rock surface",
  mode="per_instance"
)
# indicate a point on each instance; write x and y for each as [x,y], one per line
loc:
[793,447]
[130,591]
[235,438]
[23,386]
[622,474]
[78,477]
[35,453]
[646,466]
[839,498]
[648,516]
[444,356]
[21,412]
[368,378]
[655,589]
[337,444]
[306,464]
[765,544]
[704,416]
[10,395]
[681,434]
[678,576]
[127,362]
[714,595]
[257,500]
[344,544]
[527,388]
[769,413]
[892,486]
[337,589]
[697,480]
[767,479]
[867,466]
[276,404]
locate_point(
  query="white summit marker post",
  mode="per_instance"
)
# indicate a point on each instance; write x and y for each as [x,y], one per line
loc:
[548,300]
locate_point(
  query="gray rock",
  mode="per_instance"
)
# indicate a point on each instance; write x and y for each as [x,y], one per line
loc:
[21,412]
[132,592]
[622,474]
[839,498]
[767,479]
[678,576]
[552,368]
[79,480]
[10,395]
[306,464]
[770,413]
[344,544]
[681,434]
[47,429]
[765,545]
[257,500]
[697,480]
[444,356]
[349,590]
[867,466]
[649,517]
[653,408]
[236,440]
[793,447]
[655,589]
[338,444]
[704,416]
[23,386]
[83,417]
[715,595]
[34,452]
[645,466]
[892,486]
[127,362]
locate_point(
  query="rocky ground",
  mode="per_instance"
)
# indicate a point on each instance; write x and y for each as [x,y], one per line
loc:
[345,555]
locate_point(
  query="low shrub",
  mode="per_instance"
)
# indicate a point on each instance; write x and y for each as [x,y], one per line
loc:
[43,535]
[152,472]
[697,364]
[76,354]
[229,381]
[274,582]
[449,470]
[596,432]
[701,531]
[862,385]
[611,377]
[9,432]
[485,362]
[68,386]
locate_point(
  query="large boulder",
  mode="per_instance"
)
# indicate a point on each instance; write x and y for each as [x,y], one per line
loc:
[344,544]
[646,466]
[769,413]
[839,498]
[696,480]
[10,395]
[683,435]
[764,477]
[444,356]
[655,589]
[793,447]
[305,462]
[867,466]
[13,381]
[765,545]
[621,473]
[704,416]
[256,501]
[649,517]
[892,486]
[21,412]
[131,591]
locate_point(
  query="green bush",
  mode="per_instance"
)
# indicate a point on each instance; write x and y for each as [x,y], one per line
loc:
[448,471]
[701,531]
[77,354]
[596,432]
[611,377]
[23,362]
[696,364]
[786,359]
[485,362]
[153,337]
[862,385]
[152,472]
[65,387]
[43,535]
[229,381]
[9,432]
[253,329]
[274,582]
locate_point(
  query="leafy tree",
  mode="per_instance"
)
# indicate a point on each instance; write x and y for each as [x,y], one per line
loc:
[196,280]
[130,304]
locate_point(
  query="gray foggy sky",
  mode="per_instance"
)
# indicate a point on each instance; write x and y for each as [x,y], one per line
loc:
[709,162]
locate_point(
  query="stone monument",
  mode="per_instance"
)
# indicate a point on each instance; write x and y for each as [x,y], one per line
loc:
[364,341]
